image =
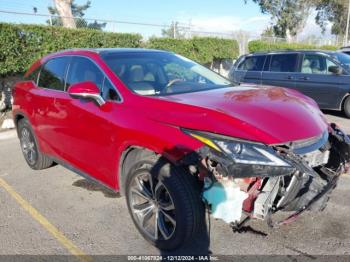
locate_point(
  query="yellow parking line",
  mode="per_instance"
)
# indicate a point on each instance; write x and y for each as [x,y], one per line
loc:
[73,249]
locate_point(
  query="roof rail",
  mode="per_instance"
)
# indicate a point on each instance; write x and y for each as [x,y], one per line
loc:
[288,50]
[77,49]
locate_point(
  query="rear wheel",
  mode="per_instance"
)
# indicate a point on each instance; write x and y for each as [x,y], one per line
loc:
[35,159]
[346,107]
[164,203]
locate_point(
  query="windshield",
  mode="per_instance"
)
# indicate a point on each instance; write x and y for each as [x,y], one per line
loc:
[160,73]
[342,58]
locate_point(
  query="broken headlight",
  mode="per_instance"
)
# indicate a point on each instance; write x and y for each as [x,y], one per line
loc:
[240,151]
[246,153]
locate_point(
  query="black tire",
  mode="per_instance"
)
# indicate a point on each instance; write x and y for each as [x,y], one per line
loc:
[179,188]
[346,107]
[29,145]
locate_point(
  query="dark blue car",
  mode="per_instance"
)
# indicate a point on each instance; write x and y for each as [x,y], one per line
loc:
[321,75]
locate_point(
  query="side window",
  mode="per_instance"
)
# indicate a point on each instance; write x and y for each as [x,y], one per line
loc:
[33,76]
[316,64]
[253,63]
[82,69]
[284,63]
[109,92]
[329,64]
[52,75]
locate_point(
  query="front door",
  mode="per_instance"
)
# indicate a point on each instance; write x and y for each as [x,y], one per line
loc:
[88,136]
[315,81]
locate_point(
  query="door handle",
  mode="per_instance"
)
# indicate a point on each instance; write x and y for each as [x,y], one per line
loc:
[304,78]
[289,77]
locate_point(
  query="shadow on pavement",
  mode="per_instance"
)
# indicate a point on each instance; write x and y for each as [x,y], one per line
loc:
[249,229]
[334,113]
[91,186]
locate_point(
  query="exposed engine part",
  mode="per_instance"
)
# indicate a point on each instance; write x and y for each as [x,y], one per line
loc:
[264,202]
[316,158]
[214,168]
[288,191]
[319,195]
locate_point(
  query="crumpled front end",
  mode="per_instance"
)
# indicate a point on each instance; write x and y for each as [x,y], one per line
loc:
[250,180]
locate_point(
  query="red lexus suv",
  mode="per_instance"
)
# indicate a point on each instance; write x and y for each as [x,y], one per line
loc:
[176,138]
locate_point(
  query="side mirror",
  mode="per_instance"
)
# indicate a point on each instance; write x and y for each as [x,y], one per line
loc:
[86,90]
[335,70]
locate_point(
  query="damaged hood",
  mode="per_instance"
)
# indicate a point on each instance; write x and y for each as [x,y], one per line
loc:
[265,114]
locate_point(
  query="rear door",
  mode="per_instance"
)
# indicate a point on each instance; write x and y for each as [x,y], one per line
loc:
[281,70]
[51,85]
[250,69]
[315,80]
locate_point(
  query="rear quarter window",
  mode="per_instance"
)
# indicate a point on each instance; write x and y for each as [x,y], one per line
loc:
[33,76]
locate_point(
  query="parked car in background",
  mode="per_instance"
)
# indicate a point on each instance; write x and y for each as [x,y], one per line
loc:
[171,135]
[322,75]
[345,49]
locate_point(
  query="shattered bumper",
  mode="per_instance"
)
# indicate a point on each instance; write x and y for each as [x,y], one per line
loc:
[235,191]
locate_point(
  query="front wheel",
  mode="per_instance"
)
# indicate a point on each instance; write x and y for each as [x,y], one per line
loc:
[164,203]
[346,107]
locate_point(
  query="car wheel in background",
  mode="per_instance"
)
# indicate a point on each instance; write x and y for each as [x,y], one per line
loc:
[346,107]
[35,159]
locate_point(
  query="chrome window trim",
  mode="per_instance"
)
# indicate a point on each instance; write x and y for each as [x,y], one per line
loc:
[99,99]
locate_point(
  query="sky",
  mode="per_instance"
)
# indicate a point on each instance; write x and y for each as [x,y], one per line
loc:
[203,15]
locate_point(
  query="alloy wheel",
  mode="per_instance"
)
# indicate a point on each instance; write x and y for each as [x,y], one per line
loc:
[152,207]
[28,146]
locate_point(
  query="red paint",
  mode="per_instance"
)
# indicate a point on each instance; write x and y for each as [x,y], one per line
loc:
[84,87]
[92,138]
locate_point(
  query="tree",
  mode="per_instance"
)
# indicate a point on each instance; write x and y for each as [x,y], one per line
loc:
[288,16]
[268,32]
[174,31]
[334,12]
[77,12]
[64,10]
